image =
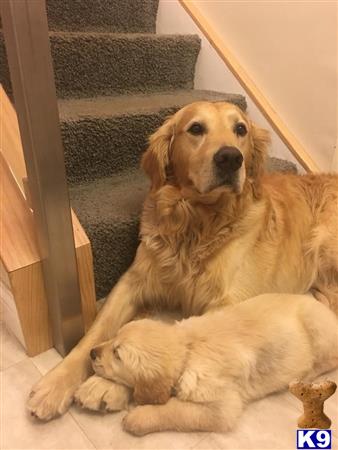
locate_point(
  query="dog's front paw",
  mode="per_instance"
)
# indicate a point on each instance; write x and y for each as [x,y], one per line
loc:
[139,421]
[99,394]
[53,394]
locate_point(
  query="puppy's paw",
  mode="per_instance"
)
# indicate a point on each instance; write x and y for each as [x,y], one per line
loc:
[139,421]
[117,397]
[99,394]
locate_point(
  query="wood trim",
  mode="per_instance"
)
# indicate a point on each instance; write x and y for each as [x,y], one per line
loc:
[289,139]
[18,244]
[10,140]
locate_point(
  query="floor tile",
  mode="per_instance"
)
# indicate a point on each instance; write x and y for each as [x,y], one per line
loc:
[46,360]
[19,429]
[105,432]
[11,350]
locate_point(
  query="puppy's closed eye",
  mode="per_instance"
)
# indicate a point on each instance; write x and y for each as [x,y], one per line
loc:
[116,353]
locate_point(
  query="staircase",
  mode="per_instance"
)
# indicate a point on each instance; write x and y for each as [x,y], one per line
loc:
[116,82]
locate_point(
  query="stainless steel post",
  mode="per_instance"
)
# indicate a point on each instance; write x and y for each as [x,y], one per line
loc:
[29,57]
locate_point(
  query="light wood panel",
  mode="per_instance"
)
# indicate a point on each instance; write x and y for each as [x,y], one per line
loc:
[30,300]
[10,139]
[289,139]
[87,286]
[18,246]
[21,266]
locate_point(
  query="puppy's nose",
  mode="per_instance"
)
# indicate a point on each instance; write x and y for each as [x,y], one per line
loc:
[228,159]
[93,354]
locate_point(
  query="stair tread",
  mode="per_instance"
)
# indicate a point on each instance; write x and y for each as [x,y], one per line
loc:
[115,198]
[112,64]
[117,15]
[109,106]
[90,64]
[109,210]
[119,35]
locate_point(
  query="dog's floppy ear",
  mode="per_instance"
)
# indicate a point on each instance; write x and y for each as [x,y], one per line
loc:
[156,158]
[260,141]
[152,391]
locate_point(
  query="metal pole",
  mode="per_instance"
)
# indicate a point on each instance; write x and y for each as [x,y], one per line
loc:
[29,57]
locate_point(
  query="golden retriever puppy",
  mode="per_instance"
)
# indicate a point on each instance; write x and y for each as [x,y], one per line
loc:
[215,230]
[202,371]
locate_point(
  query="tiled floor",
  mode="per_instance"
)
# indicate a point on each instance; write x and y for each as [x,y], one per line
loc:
[267,424]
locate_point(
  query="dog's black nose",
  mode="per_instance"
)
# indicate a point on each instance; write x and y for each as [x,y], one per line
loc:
[228,159]
[93,354]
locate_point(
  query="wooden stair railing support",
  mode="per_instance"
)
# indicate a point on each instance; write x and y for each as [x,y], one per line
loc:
[26,36]
[21,266]
[289,139]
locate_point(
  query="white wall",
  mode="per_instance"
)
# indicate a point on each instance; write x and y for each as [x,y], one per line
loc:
[289,56]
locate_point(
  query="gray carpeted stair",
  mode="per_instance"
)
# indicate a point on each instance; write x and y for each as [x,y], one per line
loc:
[116,81]
[109,208]
[88,64]
[114,16]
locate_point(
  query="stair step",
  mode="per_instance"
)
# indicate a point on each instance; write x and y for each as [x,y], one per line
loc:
[118,16]
[90,64]
[93,64]
[105,135]
[109,210]
[280,165]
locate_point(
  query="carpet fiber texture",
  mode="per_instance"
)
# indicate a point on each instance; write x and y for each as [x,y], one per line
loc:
[114,16]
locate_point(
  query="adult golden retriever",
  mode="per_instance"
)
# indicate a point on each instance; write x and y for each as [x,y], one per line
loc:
[198,375]
[215,230]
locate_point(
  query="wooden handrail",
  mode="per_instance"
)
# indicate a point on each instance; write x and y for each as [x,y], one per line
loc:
[289,139]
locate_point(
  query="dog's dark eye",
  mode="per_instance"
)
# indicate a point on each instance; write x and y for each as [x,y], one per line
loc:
[196,129]
[116,353]
[240,129]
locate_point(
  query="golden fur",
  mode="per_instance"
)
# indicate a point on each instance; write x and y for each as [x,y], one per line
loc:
[203,372]
[206,244]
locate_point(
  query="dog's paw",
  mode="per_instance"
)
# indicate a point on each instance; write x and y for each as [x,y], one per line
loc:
[53,394]
[99,394]
[139,421]
[117,397]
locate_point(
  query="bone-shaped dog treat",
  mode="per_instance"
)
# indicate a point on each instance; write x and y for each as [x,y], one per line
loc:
[313,396]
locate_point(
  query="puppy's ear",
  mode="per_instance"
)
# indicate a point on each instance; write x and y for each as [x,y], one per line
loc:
[152,391]
[260,141]
[156,158]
